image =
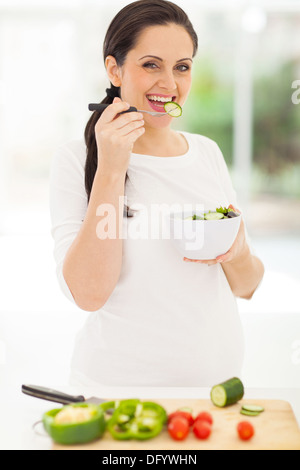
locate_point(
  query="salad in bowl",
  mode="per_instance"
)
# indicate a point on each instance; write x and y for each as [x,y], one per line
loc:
[204,235]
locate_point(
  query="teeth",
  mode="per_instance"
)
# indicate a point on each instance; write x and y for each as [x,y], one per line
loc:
[159,98]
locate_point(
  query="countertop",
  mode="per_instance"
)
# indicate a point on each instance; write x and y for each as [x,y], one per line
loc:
[21,411]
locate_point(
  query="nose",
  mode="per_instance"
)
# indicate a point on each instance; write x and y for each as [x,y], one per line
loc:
[167,80]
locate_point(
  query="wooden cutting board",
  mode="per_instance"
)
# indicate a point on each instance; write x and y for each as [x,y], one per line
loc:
[275,429]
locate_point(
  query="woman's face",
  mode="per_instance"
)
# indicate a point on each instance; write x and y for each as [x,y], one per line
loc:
[158,68]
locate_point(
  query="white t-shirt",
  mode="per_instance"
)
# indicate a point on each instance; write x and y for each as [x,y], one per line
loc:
[167,322]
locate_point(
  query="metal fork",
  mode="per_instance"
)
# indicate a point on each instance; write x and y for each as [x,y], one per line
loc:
[102,106]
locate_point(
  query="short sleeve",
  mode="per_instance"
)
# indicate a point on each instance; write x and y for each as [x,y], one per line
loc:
[68,203]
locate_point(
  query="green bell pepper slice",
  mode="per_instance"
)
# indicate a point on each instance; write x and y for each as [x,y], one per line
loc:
[134,419]
[68,433]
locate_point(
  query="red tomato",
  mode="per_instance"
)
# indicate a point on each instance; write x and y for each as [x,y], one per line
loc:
[202,429]
[178,427]
[184,414]
[245,430]
[204,416]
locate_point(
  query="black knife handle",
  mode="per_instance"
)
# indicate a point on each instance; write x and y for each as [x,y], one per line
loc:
[51,395]
[102,106]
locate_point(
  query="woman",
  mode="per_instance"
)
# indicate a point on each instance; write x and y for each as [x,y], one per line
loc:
[156,319]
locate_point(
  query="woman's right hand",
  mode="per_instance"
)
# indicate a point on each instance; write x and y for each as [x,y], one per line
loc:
[115,136]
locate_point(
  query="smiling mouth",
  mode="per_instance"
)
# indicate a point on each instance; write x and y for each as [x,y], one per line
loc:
[157,102]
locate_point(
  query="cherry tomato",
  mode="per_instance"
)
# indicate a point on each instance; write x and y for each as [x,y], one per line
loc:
[178,428]
[205,416]
[245,430]
[184,414]
[202,429]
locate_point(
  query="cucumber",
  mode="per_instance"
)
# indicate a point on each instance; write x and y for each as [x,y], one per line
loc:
[227,393]
[213,216]
[173,109]
[250,413]
[253,408]
[194,217]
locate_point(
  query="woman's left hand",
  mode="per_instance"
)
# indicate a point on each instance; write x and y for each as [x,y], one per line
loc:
[235,251]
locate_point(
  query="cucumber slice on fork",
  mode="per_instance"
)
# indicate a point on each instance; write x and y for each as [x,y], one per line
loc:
[173,109]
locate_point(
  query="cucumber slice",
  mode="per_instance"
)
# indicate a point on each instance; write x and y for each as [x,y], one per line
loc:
[253,408]
[194,217]
[250,413]
[173,109]
[213,216]
[227,393]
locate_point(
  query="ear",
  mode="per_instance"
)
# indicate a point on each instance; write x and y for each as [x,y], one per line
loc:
[113,71]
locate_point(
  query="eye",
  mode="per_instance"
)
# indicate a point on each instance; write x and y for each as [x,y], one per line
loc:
[149,65]
[183,67]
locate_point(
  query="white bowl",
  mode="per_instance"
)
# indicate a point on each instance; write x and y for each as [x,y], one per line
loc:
[202,239]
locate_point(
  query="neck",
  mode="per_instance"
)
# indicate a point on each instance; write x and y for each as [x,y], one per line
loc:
[155,142]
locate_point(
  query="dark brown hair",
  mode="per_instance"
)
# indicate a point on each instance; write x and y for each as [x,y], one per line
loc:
[121,37]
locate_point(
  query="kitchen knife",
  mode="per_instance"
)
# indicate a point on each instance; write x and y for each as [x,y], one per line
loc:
[58,397]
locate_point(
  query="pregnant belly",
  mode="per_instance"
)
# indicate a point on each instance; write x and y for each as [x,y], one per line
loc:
[119,353]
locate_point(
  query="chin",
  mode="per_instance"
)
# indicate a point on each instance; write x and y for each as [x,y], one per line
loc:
[158,122]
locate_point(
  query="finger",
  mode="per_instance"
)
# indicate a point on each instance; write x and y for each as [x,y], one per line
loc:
[131,126]
[202,261]
[134,135]
[122,120]
[210,262]
[189,260]
[114,109]
[234,208]
[224,258]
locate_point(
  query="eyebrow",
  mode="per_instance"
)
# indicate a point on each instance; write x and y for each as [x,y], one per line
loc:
[159,58]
